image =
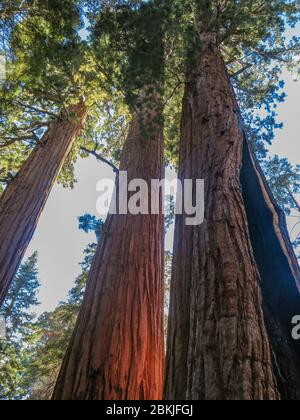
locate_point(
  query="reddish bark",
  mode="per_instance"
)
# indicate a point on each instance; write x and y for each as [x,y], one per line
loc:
[218,346]
[116,352]
[24,199]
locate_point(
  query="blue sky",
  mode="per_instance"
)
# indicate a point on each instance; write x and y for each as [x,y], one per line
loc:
[58,240]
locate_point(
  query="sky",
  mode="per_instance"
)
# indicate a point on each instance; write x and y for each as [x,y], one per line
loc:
[59,242]
[287,140]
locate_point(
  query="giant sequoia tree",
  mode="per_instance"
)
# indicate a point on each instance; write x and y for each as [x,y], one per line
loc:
[26,194]
[235,279]
[55,87]
[24,199]
[234,286]
[48,95]
[116,351]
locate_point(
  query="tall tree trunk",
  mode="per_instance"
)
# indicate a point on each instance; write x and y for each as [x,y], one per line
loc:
[280,273]
[218,346]
[24,199]
[116,352]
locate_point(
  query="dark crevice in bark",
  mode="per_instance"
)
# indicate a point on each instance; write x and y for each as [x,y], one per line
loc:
[218,348]
[279,272]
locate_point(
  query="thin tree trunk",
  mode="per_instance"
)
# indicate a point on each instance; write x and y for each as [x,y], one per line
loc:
[116,352]
[24,199]
[218,346]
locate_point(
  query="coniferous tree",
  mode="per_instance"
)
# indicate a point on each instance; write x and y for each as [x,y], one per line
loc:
[235,280]
[284,180]
[226,309]
[121,319]
[53,330]
[26,194]
[20,212]
[15,354]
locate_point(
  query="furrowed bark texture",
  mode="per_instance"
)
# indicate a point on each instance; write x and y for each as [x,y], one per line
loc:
[218,346]
[279,272]
[116,352]
[24,199]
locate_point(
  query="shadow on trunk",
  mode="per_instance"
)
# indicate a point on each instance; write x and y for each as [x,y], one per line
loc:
[279,270]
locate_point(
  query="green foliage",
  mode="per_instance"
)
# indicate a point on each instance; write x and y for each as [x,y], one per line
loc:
[35,348]
[106,129]
[132,50]
[128,39]
[167,286]
[170,213]
[19,321]
[252,35]
[21,297]
[284,181]
[89,223]
[252,38]
[52,66]
[296,244]
[52,334]
[42,50]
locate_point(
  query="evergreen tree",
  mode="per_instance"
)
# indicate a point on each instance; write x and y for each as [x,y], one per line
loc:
[284,180]
[53,330]
[26,194]
[221,345]
[124,277]
[15,355]
[53,83]
[235,279]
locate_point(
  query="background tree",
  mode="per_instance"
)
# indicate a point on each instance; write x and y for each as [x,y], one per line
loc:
[284,180]
[34,356]
[15,355]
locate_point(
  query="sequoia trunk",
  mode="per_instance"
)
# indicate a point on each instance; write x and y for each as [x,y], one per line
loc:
[116,352]
[280,274]
[218,346]
[24,199]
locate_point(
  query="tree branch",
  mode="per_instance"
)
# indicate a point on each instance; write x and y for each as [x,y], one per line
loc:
[39,110]
[293,198]
[11,140]
[100,158]
[245,68]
